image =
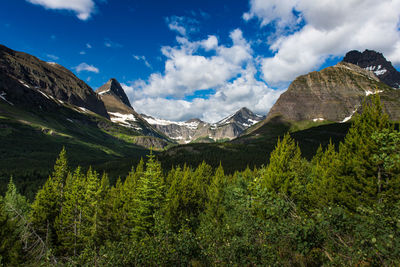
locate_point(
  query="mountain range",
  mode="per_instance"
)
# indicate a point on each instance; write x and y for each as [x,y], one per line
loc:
[44,106]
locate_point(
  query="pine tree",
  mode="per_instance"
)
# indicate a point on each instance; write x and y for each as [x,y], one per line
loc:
[69,222]
[148,198]
[216,193]
[48,201]
[130,188]
[357,181]
[320,190]
[286,172]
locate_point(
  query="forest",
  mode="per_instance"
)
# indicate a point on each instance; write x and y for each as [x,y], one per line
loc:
[342,207]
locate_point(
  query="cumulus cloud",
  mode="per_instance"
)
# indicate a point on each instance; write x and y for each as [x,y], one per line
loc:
[327,29]
[229,72]
[82,8]
[86,67]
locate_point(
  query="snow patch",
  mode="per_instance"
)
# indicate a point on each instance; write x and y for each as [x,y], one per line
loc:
[124,120]
[369,92]
[70,120]
[82,109]
[380,72]
[44,94]
[3,96]
[318,119]
[349,117]
[103,92]
[190,125]
[24,84]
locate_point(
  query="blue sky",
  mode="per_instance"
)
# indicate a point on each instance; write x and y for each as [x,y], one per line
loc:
[181,59]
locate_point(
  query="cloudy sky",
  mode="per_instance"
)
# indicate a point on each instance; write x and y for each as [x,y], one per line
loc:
[180,59]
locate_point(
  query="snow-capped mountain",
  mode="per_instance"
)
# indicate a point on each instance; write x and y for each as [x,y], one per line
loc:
[377,63]
[120,110]
[196,130]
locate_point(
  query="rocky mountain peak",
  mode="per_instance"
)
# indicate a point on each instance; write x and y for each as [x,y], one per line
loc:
[377,63]
[115,88]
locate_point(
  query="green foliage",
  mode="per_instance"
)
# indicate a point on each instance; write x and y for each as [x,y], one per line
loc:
[342,208]
[148,199]
[287,171]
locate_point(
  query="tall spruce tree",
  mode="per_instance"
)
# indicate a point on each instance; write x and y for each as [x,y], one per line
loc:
[286,172]
[48,201]
[148,198]
[357,180]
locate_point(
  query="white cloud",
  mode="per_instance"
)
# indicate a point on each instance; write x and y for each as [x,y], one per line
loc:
[52,57]
[82,8]
[110,44]
[82,53]
[86,67]
[88,45]
[229,71]
[182,25]
[331,28]
[142,58]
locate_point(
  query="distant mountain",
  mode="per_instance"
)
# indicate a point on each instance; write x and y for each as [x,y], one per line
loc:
[377,63]
[121,112]
[195,130]
[23,77]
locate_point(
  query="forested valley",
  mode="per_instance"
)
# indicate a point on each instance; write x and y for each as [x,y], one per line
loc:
[340,208]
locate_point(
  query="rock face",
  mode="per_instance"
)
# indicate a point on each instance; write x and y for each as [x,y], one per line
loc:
[120,111]
[195,130]
[113,87]
[333,94]
[23,77]
[377,63]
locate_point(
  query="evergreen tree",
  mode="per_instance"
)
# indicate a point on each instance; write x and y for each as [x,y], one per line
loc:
[286,172]
[148,198]
[357,179]
[48,201]
[320,190]
[70,221]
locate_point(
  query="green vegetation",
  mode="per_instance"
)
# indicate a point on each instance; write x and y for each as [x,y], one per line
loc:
[340,208]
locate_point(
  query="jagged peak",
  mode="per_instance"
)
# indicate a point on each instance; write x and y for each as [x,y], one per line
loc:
[115,88]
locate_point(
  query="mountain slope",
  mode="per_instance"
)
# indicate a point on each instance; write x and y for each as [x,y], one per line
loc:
[377,63]
[333,94]
[22,76]
[121,112]
[195,130]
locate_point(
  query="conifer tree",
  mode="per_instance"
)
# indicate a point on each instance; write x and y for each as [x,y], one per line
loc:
[216,193]
[130,188]
[48,201]
[148,198]
[357,182]
[320,190]
[286,172]
[70,220]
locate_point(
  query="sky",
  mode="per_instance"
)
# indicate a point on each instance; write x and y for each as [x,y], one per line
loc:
[181,59]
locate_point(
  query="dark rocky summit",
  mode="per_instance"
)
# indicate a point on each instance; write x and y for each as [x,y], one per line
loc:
[27,80]
[376,63]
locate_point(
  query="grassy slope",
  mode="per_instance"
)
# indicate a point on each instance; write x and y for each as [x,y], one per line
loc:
[31,140]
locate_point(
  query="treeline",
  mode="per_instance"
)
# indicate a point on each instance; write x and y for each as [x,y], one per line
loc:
[340,208]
